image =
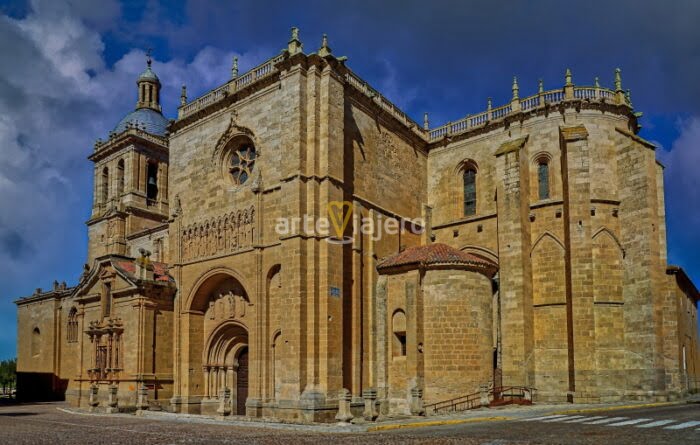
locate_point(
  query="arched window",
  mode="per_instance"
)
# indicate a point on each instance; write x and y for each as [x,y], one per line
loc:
[72,327]
[398,326]
[120,178]
[277,366]
[36,342]
[105,185]
[543,179]
[152,183]
[469,178]
[106,299]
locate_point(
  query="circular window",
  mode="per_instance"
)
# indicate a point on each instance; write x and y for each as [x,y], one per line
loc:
[242,163]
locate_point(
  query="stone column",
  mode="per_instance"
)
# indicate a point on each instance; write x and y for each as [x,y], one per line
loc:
[370,397]
[205,370]
[642,291]
[344,414]
[576,179]
[484,395]
[143,173]
[514,262]
[417,402]
[230,380]
[142,398]
[382,345]
[93,402]
[223,372]
[414,329]
[112,399]
[215,383]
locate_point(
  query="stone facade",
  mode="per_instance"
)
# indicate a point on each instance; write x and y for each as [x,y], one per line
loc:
[529,247]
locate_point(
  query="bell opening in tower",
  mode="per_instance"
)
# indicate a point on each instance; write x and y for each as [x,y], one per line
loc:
[152,183]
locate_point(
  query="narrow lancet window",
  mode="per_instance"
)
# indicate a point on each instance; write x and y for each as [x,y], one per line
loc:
[105,186]
[543,180]
[469,177]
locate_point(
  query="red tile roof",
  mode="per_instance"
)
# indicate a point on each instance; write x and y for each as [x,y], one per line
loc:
[438,254]
[160,270]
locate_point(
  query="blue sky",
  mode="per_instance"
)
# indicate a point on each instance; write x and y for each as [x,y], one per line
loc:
[68,70]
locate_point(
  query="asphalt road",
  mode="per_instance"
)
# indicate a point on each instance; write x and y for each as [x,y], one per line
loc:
[47,424]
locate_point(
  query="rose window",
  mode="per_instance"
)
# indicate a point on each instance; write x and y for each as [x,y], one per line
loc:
[242,164]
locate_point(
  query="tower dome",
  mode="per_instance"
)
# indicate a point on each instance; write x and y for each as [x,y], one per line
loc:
[146,119]
[148,115]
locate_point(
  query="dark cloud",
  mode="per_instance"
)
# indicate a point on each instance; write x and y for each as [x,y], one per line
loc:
[682,184]
[13,245]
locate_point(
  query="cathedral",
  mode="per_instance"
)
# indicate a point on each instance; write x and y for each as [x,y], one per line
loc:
[521,246]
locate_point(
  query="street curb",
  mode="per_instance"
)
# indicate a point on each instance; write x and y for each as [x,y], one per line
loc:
[620,407]
[397,426]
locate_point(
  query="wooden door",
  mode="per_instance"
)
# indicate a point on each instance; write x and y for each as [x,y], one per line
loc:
[242,382]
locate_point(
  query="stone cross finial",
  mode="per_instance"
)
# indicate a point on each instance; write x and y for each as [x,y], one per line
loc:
[596,82]
[234,68]
[426,122]
[183,95]
[325,50]
[257,184]
[294,45]
[618,79]
[540,86]
[144,268]
[515,88]
[567,78]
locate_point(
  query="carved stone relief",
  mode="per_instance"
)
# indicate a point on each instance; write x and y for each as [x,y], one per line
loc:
[225,234]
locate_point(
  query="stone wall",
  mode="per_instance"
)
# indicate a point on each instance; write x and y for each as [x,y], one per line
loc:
[567,252]
[457,329]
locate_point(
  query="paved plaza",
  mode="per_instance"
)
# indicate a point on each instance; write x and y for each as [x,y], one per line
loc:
[52,423]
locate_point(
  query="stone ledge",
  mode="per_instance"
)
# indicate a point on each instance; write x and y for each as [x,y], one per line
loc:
[510,146]
[575,133]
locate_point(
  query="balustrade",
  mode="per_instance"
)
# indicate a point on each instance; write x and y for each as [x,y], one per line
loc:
[526,104]
[542,98]
[240,82]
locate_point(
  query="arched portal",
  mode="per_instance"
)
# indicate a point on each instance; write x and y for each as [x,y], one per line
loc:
[217,323]
[226,364]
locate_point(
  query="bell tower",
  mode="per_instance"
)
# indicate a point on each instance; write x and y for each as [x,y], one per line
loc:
[130,197]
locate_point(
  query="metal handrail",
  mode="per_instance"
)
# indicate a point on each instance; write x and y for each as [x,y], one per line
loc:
[499,395]
[469,401]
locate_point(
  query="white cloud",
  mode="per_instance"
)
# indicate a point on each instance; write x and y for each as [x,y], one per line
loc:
[57,95]
[390,86]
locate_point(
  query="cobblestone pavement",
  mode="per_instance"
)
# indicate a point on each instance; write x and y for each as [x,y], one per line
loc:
[50,424]
[676,424]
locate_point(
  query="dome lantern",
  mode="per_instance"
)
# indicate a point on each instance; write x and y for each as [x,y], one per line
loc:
[149,87]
